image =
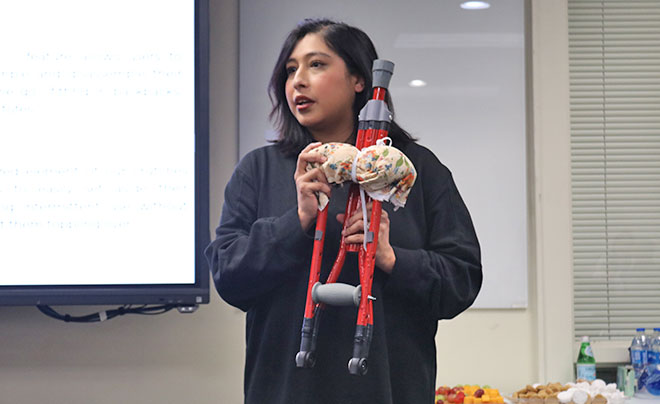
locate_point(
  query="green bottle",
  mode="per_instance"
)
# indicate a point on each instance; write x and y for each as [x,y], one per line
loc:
[586,363]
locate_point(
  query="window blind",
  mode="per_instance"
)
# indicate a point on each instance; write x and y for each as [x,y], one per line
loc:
[614,56]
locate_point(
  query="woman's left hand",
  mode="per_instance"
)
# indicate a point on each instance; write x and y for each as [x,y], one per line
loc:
[354,234]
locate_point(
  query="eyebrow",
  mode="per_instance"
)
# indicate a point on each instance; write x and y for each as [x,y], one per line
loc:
[310,55]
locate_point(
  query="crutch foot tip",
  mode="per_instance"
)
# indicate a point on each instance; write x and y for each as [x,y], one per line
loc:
[305,359]
[358,366]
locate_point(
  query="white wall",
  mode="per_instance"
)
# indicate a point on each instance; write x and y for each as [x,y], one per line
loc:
[511,348]
[198,358]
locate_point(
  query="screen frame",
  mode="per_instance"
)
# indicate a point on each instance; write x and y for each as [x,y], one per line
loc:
[170,294]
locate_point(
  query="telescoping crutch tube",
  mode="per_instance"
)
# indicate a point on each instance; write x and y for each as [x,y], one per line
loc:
[374,122]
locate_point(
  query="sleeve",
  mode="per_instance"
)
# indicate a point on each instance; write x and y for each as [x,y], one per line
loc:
[445,276]
[252,256]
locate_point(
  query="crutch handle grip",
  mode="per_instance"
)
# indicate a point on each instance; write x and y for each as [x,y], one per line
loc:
[337,294]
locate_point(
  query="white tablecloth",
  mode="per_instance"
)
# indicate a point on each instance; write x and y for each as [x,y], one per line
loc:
[644,398]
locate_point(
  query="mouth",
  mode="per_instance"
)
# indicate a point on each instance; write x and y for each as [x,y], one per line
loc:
[302,102]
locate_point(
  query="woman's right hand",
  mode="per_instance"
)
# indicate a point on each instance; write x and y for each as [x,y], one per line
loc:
[308,183]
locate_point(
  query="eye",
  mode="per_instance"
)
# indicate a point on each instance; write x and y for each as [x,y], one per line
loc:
[316,63]
[290,70]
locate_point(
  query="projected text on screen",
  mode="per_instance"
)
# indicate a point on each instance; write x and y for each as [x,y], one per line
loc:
[97,132]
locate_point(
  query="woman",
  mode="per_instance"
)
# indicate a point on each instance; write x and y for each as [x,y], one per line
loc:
[427,263]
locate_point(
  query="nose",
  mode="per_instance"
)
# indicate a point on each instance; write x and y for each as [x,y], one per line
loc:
[299,78]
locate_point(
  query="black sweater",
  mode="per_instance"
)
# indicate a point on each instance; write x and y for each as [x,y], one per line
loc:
[260,262]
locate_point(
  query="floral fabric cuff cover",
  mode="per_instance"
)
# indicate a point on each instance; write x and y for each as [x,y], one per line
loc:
[384,172]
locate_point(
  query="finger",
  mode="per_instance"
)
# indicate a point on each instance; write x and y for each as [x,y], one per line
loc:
[354,239]
[304,164]
[312,157]
[311,146]
[315,178]
[305,156]
[313,175]
[354,228]
[384,225]
[301,162]
[310,188]
[357,215]
[340,217]
[384,217]
[383,213]
[354,223]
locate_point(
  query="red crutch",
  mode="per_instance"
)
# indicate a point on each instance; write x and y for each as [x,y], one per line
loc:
[374,122]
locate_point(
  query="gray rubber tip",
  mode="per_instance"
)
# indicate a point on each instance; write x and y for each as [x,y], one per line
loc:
[382,73]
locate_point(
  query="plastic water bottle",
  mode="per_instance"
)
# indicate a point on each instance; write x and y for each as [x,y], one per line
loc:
[586,363]
[654,348]
[639,354]
[652,382]
[651,375]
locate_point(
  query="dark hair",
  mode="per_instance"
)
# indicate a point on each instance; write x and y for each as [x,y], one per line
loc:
[357,51]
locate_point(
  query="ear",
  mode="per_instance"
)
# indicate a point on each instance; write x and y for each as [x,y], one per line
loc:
[359,84]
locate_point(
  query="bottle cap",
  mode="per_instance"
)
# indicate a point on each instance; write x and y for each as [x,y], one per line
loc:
[585,339]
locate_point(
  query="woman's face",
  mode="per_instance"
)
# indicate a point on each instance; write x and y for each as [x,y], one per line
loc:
[319,89]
